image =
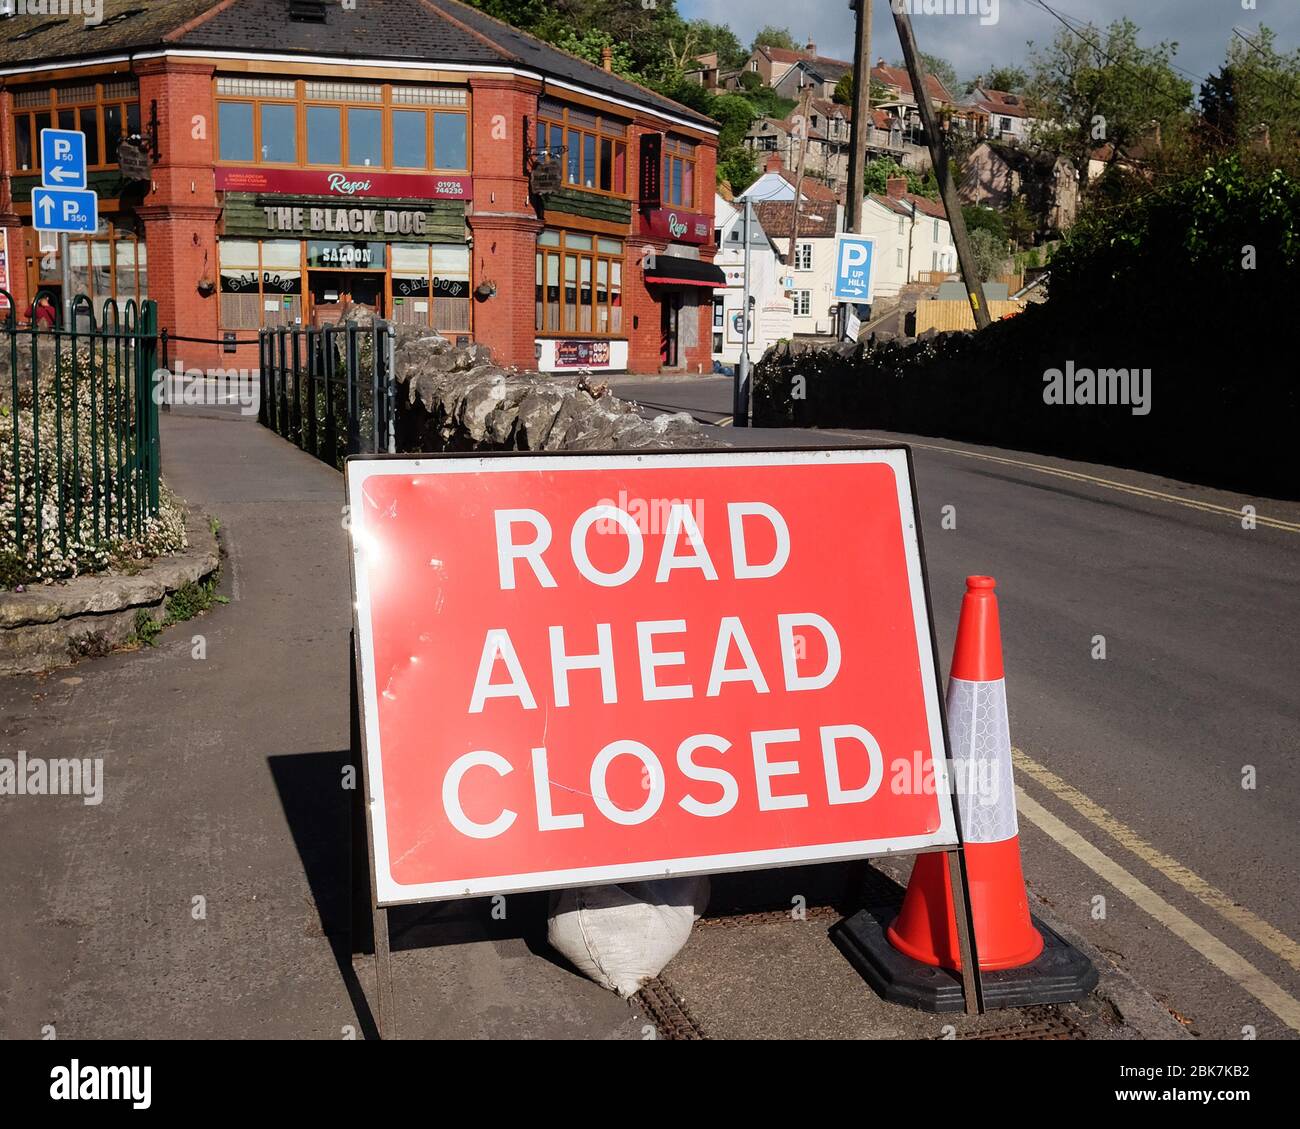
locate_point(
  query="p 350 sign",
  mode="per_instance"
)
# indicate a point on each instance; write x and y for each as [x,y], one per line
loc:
[595,668]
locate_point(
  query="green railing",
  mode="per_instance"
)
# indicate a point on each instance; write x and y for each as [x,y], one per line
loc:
[329,390]
[87,390]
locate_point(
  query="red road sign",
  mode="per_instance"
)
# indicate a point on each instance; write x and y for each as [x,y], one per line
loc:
[595,668]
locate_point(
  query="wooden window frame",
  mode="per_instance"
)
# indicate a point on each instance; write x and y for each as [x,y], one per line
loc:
[111,239]
[549,121]
[261,292]
[674,152]
[53,106]
[386,107]
[595,256]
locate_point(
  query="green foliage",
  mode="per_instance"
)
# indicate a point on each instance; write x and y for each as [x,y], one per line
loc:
[879,171]
[735,114]
[985,219]
[989,251]
[192,598]
[751,81]
[1255,93]
[1020,222]
[704,37]
[739,170]
[1100,86]
[844,90]
[1011,79]
[773,36]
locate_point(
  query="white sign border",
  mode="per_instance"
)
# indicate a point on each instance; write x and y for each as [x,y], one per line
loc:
[854,237]
[389,892]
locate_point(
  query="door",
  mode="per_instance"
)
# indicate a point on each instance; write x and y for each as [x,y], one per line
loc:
[669,348]
[334,293]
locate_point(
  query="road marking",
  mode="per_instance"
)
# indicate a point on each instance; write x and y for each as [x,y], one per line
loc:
[1249,923]
[1231,963]
[1110,484]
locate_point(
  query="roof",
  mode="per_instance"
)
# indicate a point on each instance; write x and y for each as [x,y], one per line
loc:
[924,205]
[898,76]
[1002,102]
[781,54]
[776,216]
[828,70]
[442,30]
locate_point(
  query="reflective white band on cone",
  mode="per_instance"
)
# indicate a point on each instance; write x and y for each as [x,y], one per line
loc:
[980,736]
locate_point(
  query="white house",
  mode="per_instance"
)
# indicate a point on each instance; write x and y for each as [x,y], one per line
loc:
[1009,117]
[911,235]
[771,311]
[808,277]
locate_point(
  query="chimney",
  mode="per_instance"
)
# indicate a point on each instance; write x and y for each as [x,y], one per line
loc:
[775,164]
[896,187]
[607,59]
[811,49]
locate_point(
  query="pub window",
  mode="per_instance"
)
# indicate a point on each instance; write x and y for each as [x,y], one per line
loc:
[595,146]
[261,283]
[104,111]
[679,172]
[579,284]
[431,286]
[345,125]
[324,135]
[111,264]
[365,138]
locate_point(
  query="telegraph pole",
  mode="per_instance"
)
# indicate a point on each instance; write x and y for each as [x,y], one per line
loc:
[861,124]
[939,156]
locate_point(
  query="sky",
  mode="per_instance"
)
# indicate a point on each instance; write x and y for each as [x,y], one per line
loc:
[1201,28]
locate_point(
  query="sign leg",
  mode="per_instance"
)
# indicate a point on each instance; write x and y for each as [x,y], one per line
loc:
[972,985]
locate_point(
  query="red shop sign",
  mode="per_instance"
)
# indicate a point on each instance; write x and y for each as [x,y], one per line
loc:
[593,668]
[679,227]
[346,185]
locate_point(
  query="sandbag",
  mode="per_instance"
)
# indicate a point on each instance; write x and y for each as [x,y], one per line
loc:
[621,936]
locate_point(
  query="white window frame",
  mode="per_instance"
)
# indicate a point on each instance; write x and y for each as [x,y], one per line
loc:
[803,256]
[802,298]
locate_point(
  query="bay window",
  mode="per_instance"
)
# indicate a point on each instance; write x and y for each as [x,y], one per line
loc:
[594,146]
[579,284]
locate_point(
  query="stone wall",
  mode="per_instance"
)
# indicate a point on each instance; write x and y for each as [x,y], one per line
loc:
[457,399]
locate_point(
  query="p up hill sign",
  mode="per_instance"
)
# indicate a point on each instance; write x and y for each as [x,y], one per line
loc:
[595,668]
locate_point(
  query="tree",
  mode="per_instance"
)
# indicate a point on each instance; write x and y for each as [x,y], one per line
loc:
[985,219]
[1090,87]
[739,170]
[711,37]
[940,68]
[1010,79]
[844,91]
[1020,222]
[989,251]
[773,36]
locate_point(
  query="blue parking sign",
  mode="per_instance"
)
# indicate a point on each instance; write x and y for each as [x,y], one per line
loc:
[853,255]
[63,158]
[65,209]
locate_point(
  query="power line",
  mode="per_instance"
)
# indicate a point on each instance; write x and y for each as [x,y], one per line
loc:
[1289,91]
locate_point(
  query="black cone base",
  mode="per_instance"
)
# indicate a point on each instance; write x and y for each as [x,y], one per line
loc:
[1060,973]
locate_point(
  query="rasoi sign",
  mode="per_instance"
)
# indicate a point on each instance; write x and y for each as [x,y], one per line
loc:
[594,668]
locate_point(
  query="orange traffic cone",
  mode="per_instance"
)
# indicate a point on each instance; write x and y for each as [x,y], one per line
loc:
[926,927]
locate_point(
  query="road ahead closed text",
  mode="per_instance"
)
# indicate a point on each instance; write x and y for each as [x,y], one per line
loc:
[587,668]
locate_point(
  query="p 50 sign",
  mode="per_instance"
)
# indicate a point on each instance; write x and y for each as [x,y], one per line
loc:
[594,668]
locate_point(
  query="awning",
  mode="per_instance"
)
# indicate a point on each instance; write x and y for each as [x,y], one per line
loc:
[673,270]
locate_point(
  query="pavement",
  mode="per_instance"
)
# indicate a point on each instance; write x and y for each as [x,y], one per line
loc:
[206,895]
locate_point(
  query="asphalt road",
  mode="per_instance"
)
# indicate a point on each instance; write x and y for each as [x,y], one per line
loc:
[1160,783]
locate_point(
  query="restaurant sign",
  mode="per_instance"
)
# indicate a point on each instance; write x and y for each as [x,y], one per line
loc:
[679,227]
[346,221]
[582,354]
[351,185]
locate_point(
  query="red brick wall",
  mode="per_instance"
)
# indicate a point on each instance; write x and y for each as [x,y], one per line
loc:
[180,211]
[17,260]
[503,221]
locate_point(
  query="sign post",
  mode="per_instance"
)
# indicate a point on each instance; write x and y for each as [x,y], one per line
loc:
[593,668]
[62,203]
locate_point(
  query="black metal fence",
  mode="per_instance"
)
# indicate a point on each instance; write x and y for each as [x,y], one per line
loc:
[83,471]
[329,390]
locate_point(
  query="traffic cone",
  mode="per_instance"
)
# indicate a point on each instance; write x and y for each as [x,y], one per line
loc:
[926,926]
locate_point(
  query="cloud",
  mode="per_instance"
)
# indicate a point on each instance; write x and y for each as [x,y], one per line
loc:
[1202,29]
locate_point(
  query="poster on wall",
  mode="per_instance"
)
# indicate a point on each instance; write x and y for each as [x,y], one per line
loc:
[582,354]
[736,326]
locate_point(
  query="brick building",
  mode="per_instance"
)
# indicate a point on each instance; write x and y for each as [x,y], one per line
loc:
[290,158]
